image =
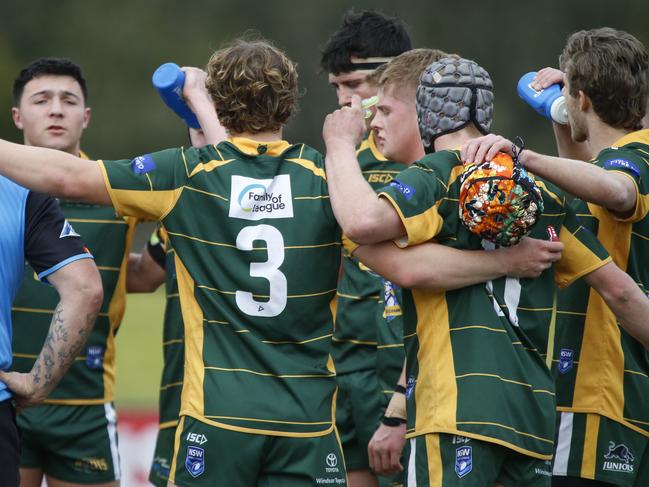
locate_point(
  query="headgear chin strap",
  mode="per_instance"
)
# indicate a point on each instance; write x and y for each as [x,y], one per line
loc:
[452,93]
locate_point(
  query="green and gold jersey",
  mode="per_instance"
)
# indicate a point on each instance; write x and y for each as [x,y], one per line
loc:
[474,367]
[173,342]
[91,378]
[359,289]
[599,367]
[389,337]
[257,252]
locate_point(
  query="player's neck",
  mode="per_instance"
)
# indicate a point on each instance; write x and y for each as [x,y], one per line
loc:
[456,140]
[269,136]
[602,135]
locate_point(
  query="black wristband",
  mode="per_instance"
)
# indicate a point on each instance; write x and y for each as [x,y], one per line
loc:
[393,421]
[400,389]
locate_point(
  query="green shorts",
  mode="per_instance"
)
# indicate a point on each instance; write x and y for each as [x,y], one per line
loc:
[359,409]
[444,460]
[594,447]
[213,457]
[71,443]
[162,457]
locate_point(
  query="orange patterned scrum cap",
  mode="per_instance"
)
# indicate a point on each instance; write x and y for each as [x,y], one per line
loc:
[499,200]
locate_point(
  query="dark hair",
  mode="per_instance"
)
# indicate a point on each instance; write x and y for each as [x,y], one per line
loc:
[611,67]
[48,66]
[364,34]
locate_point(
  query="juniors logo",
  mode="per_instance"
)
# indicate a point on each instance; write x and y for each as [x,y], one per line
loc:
[256,199]
[566,360]
[618,458]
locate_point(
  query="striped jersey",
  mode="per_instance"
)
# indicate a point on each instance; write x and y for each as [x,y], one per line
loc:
[173,343]
[474,364]
[599,368]
[359,289]
[91,378]
[256,255]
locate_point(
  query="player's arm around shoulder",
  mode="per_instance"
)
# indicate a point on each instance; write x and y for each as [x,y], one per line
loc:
[625,298]
[363,216]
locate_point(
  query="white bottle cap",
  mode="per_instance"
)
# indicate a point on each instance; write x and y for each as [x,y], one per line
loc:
[558,110]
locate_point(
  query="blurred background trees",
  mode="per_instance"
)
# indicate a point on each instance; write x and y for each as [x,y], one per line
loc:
[120,43]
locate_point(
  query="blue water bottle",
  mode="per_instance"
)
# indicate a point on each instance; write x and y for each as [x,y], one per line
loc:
[548,102]
[169,79]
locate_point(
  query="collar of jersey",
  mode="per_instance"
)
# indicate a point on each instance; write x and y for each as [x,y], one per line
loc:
[251,147]
[641,136]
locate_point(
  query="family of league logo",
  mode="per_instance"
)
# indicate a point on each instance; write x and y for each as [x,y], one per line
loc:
[622,454]
[256,199]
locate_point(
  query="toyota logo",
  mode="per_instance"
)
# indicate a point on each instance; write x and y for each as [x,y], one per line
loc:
[332,460]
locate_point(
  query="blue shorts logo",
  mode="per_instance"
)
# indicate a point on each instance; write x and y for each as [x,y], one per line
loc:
[566,360]
[143,164]
[410,386]
[622,164]
[407,191]
[463,461]
[195,461]
[95,357]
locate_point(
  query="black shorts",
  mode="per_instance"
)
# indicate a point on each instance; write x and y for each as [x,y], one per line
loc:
[9,446]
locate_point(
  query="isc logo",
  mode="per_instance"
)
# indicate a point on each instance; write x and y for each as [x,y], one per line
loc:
[196,438]
[380,178]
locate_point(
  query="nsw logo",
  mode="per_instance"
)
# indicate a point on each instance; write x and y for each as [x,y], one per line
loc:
[195,461]
[566,360]
[95,357]
[143,164]
[257,199]
[463,461]
[407,191]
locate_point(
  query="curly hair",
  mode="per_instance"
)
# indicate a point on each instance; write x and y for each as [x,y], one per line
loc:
[253,85]
[612,68]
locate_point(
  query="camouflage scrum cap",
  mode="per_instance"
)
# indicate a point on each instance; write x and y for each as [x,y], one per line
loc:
[452,93]
[499,200]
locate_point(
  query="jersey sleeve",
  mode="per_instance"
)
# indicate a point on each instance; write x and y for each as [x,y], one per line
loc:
[582,253]
[636,168]
[50,241]
[148,186]
[416,194]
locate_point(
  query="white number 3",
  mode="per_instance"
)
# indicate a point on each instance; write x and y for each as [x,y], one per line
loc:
[269,270]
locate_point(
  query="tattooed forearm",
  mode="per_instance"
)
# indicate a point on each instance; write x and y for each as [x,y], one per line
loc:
[59,350]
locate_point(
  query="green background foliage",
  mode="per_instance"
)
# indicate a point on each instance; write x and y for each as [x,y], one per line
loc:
[120,43]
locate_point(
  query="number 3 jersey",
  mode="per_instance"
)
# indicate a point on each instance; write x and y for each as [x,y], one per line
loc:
[257,252]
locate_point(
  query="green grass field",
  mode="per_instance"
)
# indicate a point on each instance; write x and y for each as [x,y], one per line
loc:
[139,352]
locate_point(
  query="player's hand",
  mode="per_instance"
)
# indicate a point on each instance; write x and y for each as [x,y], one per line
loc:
[530,257]
[546,77]
[345,125]
[385,449]
[25,390]
[485,148]
[194,90]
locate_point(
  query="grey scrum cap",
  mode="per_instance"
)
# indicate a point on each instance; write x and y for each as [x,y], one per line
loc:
[452,93]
